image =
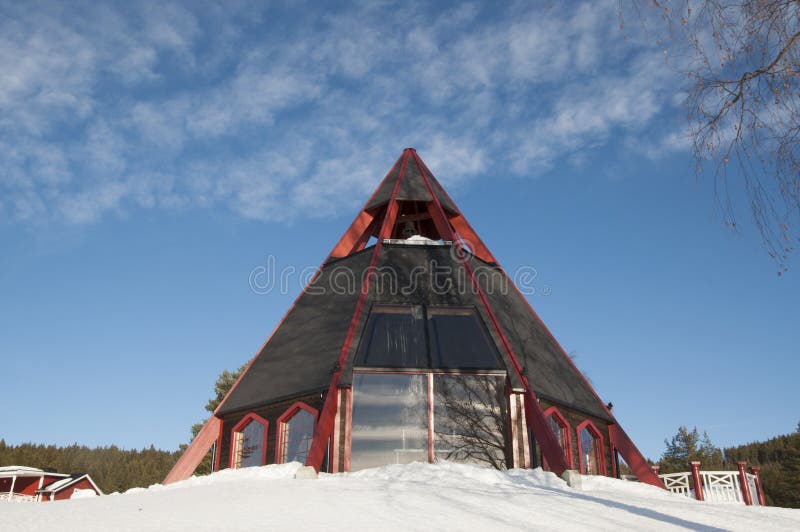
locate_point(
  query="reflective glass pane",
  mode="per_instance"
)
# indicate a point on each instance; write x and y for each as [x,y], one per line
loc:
[590,459]
[394,338]
[251,445]
[560,432]
[470,419]
[298,432]
[389,423]
[458,340]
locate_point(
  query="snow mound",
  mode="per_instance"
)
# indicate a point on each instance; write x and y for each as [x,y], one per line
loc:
[82,494]
[418,496]
[270,472]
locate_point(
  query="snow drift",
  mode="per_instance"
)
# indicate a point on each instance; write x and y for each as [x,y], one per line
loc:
[443,496]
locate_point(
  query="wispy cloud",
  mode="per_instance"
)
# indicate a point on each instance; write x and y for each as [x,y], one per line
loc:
[265,110]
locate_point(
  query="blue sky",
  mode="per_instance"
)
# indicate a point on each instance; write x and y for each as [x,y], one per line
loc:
[152,155]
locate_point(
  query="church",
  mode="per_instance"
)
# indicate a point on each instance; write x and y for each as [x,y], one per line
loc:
[412,344]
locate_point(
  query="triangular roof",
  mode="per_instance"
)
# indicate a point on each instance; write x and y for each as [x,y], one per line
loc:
[312,349]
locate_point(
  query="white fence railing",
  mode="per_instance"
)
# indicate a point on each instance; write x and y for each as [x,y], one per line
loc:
[751,484]
[680,483]
[721,486]
[717,486]
[16,497]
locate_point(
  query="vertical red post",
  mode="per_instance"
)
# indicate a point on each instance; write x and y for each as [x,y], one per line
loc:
[761,499]
[696,482]
[743,483]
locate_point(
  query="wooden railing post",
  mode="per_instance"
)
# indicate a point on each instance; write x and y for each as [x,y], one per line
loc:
[696,482]
[743,483]
[759,487]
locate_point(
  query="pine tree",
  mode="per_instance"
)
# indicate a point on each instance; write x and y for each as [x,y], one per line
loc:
[688,446]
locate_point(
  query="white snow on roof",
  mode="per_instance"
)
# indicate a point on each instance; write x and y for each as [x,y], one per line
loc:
[58,484]
[416,240]
[418,496]
[24,471]
[5,469]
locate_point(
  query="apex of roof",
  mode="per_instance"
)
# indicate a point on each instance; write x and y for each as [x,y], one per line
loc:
[412,174]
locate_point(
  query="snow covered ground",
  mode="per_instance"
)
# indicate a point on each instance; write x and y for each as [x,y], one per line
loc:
[409,497]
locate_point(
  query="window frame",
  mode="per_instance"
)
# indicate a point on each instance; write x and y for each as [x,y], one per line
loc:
[566,427]
[429,376]
[251,417]
[282,422]
[587,424]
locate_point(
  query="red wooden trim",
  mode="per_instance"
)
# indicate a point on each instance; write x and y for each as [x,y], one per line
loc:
[336,435]
[218,450]
[325,423]
[513,416]
[755,470]
[743,484]
[281,426]
[431,451]
[696,482]
[462,226]
[468,234]
[553,411]
[250,417]
[623,444]
[339,250]
[533,411]
[348,427]
[353,236]
[596,433]
[196,451]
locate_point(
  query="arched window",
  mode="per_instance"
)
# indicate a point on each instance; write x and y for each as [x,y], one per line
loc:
[295,433]
[249,442]
[590,449]
[558,424]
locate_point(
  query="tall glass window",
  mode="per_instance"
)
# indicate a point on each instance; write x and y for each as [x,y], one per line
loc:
[393,424]
[389,423]
[560,429]
[249,444]
[470,419]
[590,452]
[297,432]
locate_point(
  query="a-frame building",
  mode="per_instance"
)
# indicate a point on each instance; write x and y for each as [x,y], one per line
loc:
[411,343]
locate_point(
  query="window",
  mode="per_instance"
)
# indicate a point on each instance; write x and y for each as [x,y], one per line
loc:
[420,337]
[249,442]
[390,421]
[416,417]
[295,433]
[470,419]
[558,424]
[394,338]
[590,449]
[458,340]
